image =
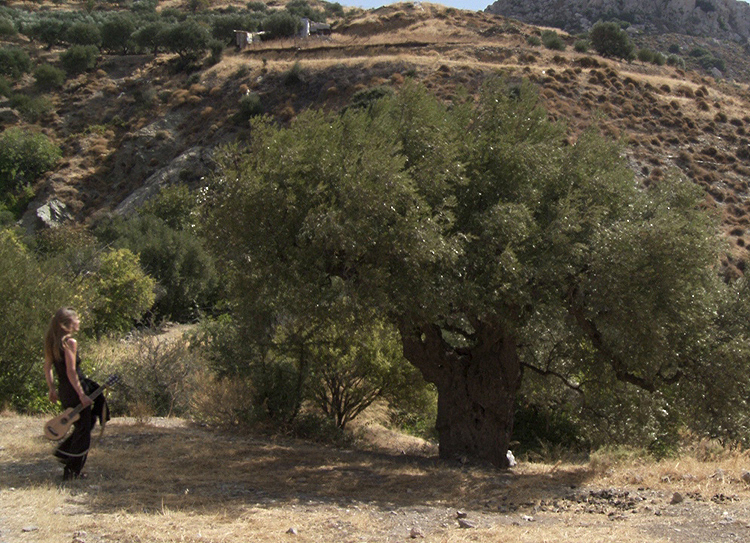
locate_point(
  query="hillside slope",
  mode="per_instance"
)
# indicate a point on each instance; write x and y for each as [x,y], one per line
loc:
[135,124]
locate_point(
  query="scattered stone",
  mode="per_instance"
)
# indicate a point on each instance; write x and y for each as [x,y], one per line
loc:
[27,529]
[746,476]
[528,518]
[292,531]
[416,532]
[461,514]
[466,524]
[677,498]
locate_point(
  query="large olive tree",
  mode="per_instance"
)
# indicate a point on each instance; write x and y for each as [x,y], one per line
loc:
[494,241]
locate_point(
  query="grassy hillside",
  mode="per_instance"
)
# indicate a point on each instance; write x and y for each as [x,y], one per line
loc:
[133,115]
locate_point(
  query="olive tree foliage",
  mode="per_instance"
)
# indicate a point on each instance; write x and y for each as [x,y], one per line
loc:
[495,246]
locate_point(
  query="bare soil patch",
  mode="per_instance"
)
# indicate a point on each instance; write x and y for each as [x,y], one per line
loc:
[169,480]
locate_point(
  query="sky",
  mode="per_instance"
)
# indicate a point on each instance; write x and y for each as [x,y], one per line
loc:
[476,5]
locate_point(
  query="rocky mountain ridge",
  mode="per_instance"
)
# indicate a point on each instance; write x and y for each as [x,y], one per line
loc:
[721,19]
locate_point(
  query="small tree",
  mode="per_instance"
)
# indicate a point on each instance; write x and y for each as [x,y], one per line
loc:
[610,40]
[84,34]
[117,33]
[79,58]
[189,39]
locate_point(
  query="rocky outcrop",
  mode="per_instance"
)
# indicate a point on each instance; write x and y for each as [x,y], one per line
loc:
[723,19]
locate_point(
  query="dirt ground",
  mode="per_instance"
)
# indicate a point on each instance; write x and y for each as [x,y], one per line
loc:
[168,480]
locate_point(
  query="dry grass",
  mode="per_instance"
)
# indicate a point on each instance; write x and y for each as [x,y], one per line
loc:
[171,481]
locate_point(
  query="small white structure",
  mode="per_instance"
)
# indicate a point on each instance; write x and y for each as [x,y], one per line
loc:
[243,38]
[312,28]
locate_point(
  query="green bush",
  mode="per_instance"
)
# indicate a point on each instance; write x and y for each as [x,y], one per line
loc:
[31,108]
[581,46]
[645,55]
[48,78]
[677,61]
[14,62]
[552,40]
[7,29]
[533,40]
[250,106]
[24,156]
[79,58]
[185,273]
[610,40]
[119,293]
[257,6]
[709,62]
[30,296]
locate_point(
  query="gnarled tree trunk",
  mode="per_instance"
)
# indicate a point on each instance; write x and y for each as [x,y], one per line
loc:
[477,389]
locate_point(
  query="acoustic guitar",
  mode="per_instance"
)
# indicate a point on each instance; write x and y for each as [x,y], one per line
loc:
[56,428]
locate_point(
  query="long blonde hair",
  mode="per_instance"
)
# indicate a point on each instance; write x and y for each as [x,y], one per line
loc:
[60,326]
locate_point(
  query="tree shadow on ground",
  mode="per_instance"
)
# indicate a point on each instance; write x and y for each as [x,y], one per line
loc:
[143,468]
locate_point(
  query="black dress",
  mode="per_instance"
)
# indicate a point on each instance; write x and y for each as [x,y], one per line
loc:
[73,451]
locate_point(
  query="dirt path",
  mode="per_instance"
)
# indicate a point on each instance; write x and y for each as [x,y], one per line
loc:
[171,481]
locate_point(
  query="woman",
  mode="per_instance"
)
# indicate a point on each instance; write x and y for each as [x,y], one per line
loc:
[61,353]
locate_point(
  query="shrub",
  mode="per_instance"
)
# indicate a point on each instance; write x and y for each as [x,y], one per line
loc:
[217,50]
[47,77]
[24,156]
[30,296]
[250,106]
[119,293]
[581,46]
[257,6]
[709,62]
[659,59]
[534,41]
[14,62]
[159,375]
[645,55]
[31,108]
[7,29]
[676,61]
[609,40]
[79,58]
[552,40]
[185,272]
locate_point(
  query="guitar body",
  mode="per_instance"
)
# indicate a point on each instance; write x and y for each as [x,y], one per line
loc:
[55,429]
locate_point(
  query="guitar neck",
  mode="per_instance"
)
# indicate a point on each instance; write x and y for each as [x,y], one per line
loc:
[93,396]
